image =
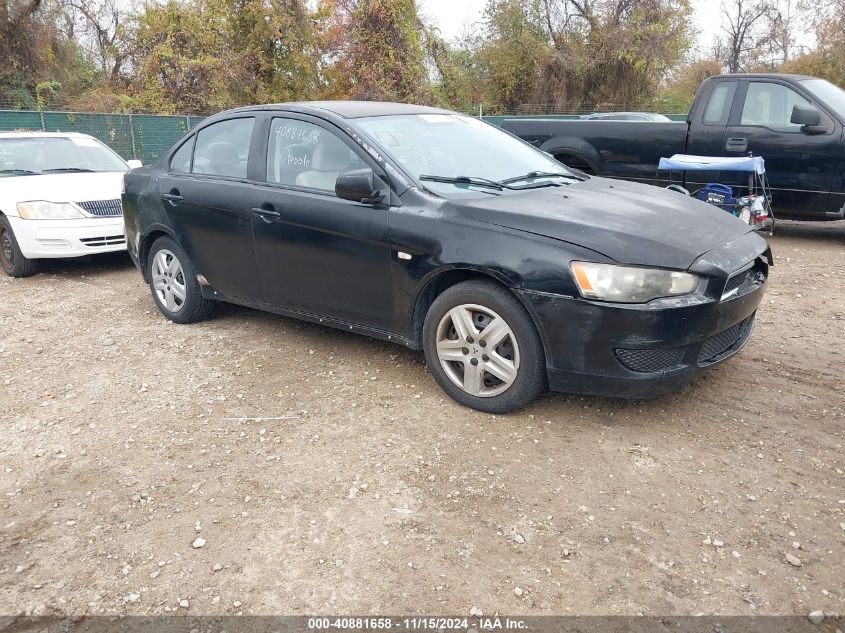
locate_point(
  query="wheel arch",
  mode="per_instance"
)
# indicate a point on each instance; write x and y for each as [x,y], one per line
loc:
[438,281]
[585,154]
[146,243]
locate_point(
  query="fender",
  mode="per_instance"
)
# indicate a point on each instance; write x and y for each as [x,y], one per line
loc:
[577,147]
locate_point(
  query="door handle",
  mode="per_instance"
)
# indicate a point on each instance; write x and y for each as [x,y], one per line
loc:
[266,214]
[736,145]
[173,197]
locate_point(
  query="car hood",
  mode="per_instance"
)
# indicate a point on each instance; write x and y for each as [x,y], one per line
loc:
[628,222]
[68,187]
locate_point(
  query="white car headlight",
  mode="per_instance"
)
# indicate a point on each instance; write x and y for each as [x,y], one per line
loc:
[629,284]
[42,210]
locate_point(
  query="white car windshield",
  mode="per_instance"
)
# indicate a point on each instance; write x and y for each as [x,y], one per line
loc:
[56,154]
[452,153]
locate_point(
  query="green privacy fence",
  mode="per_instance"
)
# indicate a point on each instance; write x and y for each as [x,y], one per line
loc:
[146,136]
[141,136]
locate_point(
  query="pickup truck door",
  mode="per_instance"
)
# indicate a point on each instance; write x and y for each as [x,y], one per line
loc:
[708,125]
[800,166]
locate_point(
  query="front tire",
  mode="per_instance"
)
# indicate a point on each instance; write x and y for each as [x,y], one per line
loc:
[174,284]
[483,349]
[12,261]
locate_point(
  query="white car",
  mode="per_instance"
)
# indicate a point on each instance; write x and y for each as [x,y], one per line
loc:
[59,197]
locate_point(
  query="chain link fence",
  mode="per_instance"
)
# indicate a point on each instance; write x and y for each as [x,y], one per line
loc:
[141,136]
[146,136]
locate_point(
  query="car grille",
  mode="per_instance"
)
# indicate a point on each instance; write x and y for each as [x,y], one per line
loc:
[745,281]
[109,240]
[103,208]
[726,341]
[647,360]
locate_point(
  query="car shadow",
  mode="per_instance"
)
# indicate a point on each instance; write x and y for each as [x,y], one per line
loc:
[87,265]
[834,231]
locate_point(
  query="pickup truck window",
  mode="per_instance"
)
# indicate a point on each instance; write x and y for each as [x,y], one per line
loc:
[770,105]
[719,106]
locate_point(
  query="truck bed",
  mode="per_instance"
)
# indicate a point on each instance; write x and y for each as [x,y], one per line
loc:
[620,149]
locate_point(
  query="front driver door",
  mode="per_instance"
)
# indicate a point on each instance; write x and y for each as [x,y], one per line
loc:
[317,253]
[207,196]
[800,166]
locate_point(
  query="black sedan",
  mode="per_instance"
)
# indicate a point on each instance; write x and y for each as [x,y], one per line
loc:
[440,232]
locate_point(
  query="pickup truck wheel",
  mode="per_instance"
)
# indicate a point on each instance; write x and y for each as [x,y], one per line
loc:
[12,260]
[174,285]
[482,348]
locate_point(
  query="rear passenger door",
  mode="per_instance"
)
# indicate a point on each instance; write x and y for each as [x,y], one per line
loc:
[317,253]
[207,196]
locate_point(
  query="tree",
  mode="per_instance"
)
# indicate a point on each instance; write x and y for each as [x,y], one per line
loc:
[182,60]
[103,23]
[743,38]
[275,44]
[514,53]
[684,82]
[572,54]
[40,62]
[827,60]
[374,50]
[457,81]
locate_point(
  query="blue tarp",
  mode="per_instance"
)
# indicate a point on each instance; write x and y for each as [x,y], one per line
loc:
[685,162]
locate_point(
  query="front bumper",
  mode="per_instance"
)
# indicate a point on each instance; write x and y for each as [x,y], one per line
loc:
[40,239]
[639,350]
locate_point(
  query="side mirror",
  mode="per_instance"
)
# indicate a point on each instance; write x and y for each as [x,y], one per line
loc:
[134,164]
[808,117]
[360,185]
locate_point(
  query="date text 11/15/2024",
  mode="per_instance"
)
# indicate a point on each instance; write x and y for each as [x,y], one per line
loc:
[417,623]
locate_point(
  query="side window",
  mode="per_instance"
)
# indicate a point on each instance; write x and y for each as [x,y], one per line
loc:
[770,105]
[181,159]
[306,155]
[222,149]
[719,105]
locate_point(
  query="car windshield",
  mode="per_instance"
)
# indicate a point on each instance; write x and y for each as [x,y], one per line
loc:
[452,146]
[832,96]
[57,154]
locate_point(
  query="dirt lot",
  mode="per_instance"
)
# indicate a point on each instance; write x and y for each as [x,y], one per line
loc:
[379,495]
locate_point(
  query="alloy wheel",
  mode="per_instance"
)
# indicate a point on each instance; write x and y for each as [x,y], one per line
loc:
[478,350]
[169,280]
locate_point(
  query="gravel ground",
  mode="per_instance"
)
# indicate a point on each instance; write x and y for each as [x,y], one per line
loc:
[129,485]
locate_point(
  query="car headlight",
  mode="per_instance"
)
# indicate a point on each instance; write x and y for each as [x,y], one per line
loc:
[629,284]
[41,210]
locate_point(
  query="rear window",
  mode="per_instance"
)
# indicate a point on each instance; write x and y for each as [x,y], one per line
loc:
[181,159]
[719,105]
[222,149]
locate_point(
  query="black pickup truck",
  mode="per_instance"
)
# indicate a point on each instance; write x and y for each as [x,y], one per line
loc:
[794,122]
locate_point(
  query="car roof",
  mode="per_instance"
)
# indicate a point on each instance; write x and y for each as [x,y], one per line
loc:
[44,135]
[347,109]
[765,76]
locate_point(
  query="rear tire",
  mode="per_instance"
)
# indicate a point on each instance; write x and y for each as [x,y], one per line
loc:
[174,285]
[12,261]
[483,349]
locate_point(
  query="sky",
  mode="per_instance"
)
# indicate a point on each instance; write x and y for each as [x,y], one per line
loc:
[453,16]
